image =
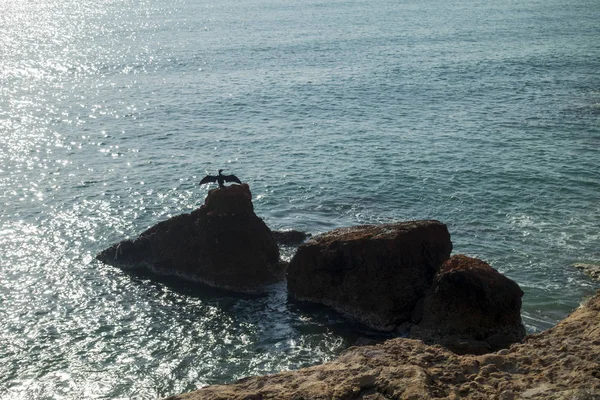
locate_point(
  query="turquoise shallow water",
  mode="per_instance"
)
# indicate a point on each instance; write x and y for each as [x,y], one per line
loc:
[484,115]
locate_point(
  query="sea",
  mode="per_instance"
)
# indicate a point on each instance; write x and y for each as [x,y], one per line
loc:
[482,114]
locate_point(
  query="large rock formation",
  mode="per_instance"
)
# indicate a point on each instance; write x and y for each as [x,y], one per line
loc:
[375,274]
[471,308]
[561,363]
[222,244]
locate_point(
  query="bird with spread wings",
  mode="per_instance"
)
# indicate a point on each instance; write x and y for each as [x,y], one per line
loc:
[220,179]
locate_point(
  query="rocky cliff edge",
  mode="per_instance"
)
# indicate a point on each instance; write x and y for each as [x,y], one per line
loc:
[560,363]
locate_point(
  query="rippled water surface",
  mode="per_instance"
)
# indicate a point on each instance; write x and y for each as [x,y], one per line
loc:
[484,115]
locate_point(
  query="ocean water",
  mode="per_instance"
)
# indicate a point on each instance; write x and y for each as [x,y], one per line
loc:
[483,115]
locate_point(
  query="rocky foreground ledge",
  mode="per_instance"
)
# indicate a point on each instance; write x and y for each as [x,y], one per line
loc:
[560,363]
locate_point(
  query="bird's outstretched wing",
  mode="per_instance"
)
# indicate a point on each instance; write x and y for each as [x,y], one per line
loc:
[208,179]
[232,178]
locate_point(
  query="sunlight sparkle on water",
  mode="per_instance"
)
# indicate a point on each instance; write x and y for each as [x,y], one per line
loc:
[336,114]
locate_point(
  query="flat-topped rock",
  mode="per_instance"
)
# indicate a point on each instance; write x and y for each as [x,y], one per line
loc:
[471,308]
[375,274]
[222,244]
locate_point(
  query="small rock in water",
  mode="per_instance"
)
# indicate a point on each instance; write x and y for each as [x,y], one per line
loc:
[290,237]
[590,269]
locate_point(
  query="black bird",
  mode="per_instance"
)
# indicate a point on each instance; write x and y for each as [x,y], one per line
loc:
[220,179]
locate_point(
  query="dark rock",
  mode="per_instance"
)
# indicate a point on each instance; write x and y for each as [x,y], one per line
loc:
[471,308]
[222,244]
[230,200]
[289,237]
[374,274]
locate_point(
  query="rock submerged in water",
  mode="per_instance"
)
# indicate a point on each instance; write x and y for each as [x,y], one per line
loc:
[592,270]
[471,308]
[290,237]
[223,244]
[375,274]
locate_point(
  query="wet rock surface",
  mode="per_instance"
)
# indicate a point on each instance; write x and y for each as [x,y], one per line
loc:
[223,244]
[375,274]
[561,363]
[471,308]
[592,270]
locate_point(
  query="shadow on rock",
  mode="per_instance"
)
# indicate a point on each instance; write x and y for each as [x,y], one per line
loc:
[222,244]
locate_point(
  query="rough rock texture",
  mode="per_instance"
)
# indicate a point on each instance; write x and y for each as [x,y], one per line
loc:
[222,244]
[373,273]
[471,308]
[561,363]
[590,269]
